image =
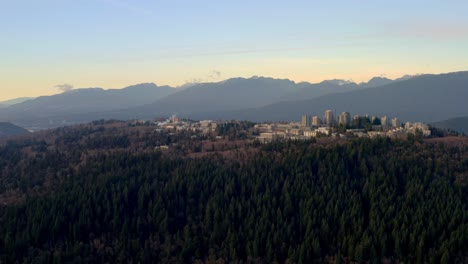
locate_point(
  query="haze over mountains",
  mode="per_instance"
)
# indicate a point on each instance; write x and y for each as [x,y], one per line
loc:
[14,101]
[427,98]
[231,94]
[80,105]
[8,130]
[459,124]
[93,99]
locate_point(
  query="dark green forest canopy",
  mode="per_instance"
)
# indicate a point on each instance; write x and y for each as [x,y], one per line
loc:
[102,193]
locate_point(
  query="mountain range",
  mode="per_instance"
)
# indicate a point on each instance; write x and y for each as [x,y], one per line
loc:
[9,129]
[459,124]
[8,103]
[80,105]
[426,98]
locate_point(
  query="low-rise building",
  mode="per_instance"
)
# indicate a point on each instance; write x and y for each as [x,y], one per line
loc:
[376,134]
[310,134]
[295,131]
[323,130]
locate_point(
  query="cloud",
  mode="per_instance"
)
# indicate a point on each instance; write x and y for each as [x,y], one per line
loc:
[64,87]
[193,81]
[214,74]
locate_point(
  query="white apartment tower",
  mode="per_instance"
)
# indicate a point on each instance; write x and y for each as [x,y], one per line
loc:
[305,121]
[344,119]
[395,122]
[384,121]
[329,118]
[316,121]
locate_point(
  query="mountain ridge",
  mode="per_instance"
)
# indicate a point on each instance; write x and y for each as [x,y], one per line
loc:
[406,99]
[256,99]
[8,130]
[45,109]
[459,124]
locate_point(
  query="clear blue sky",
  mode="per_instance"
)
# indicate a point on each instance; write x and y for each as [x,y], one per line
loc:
[114,43]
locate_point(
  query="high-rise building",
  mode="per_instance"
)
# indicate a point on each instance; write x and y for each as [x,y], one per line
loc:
[344,119]
[316,121]
[395,122]
[384,121]
[329,118]
[305,121]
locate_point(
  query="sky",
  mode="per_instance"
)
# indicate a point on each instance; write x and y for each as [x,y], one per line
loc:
[50,44]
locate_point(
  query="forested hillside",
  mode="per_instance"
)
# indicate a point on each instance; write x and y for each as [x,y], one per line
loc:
[102,193]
